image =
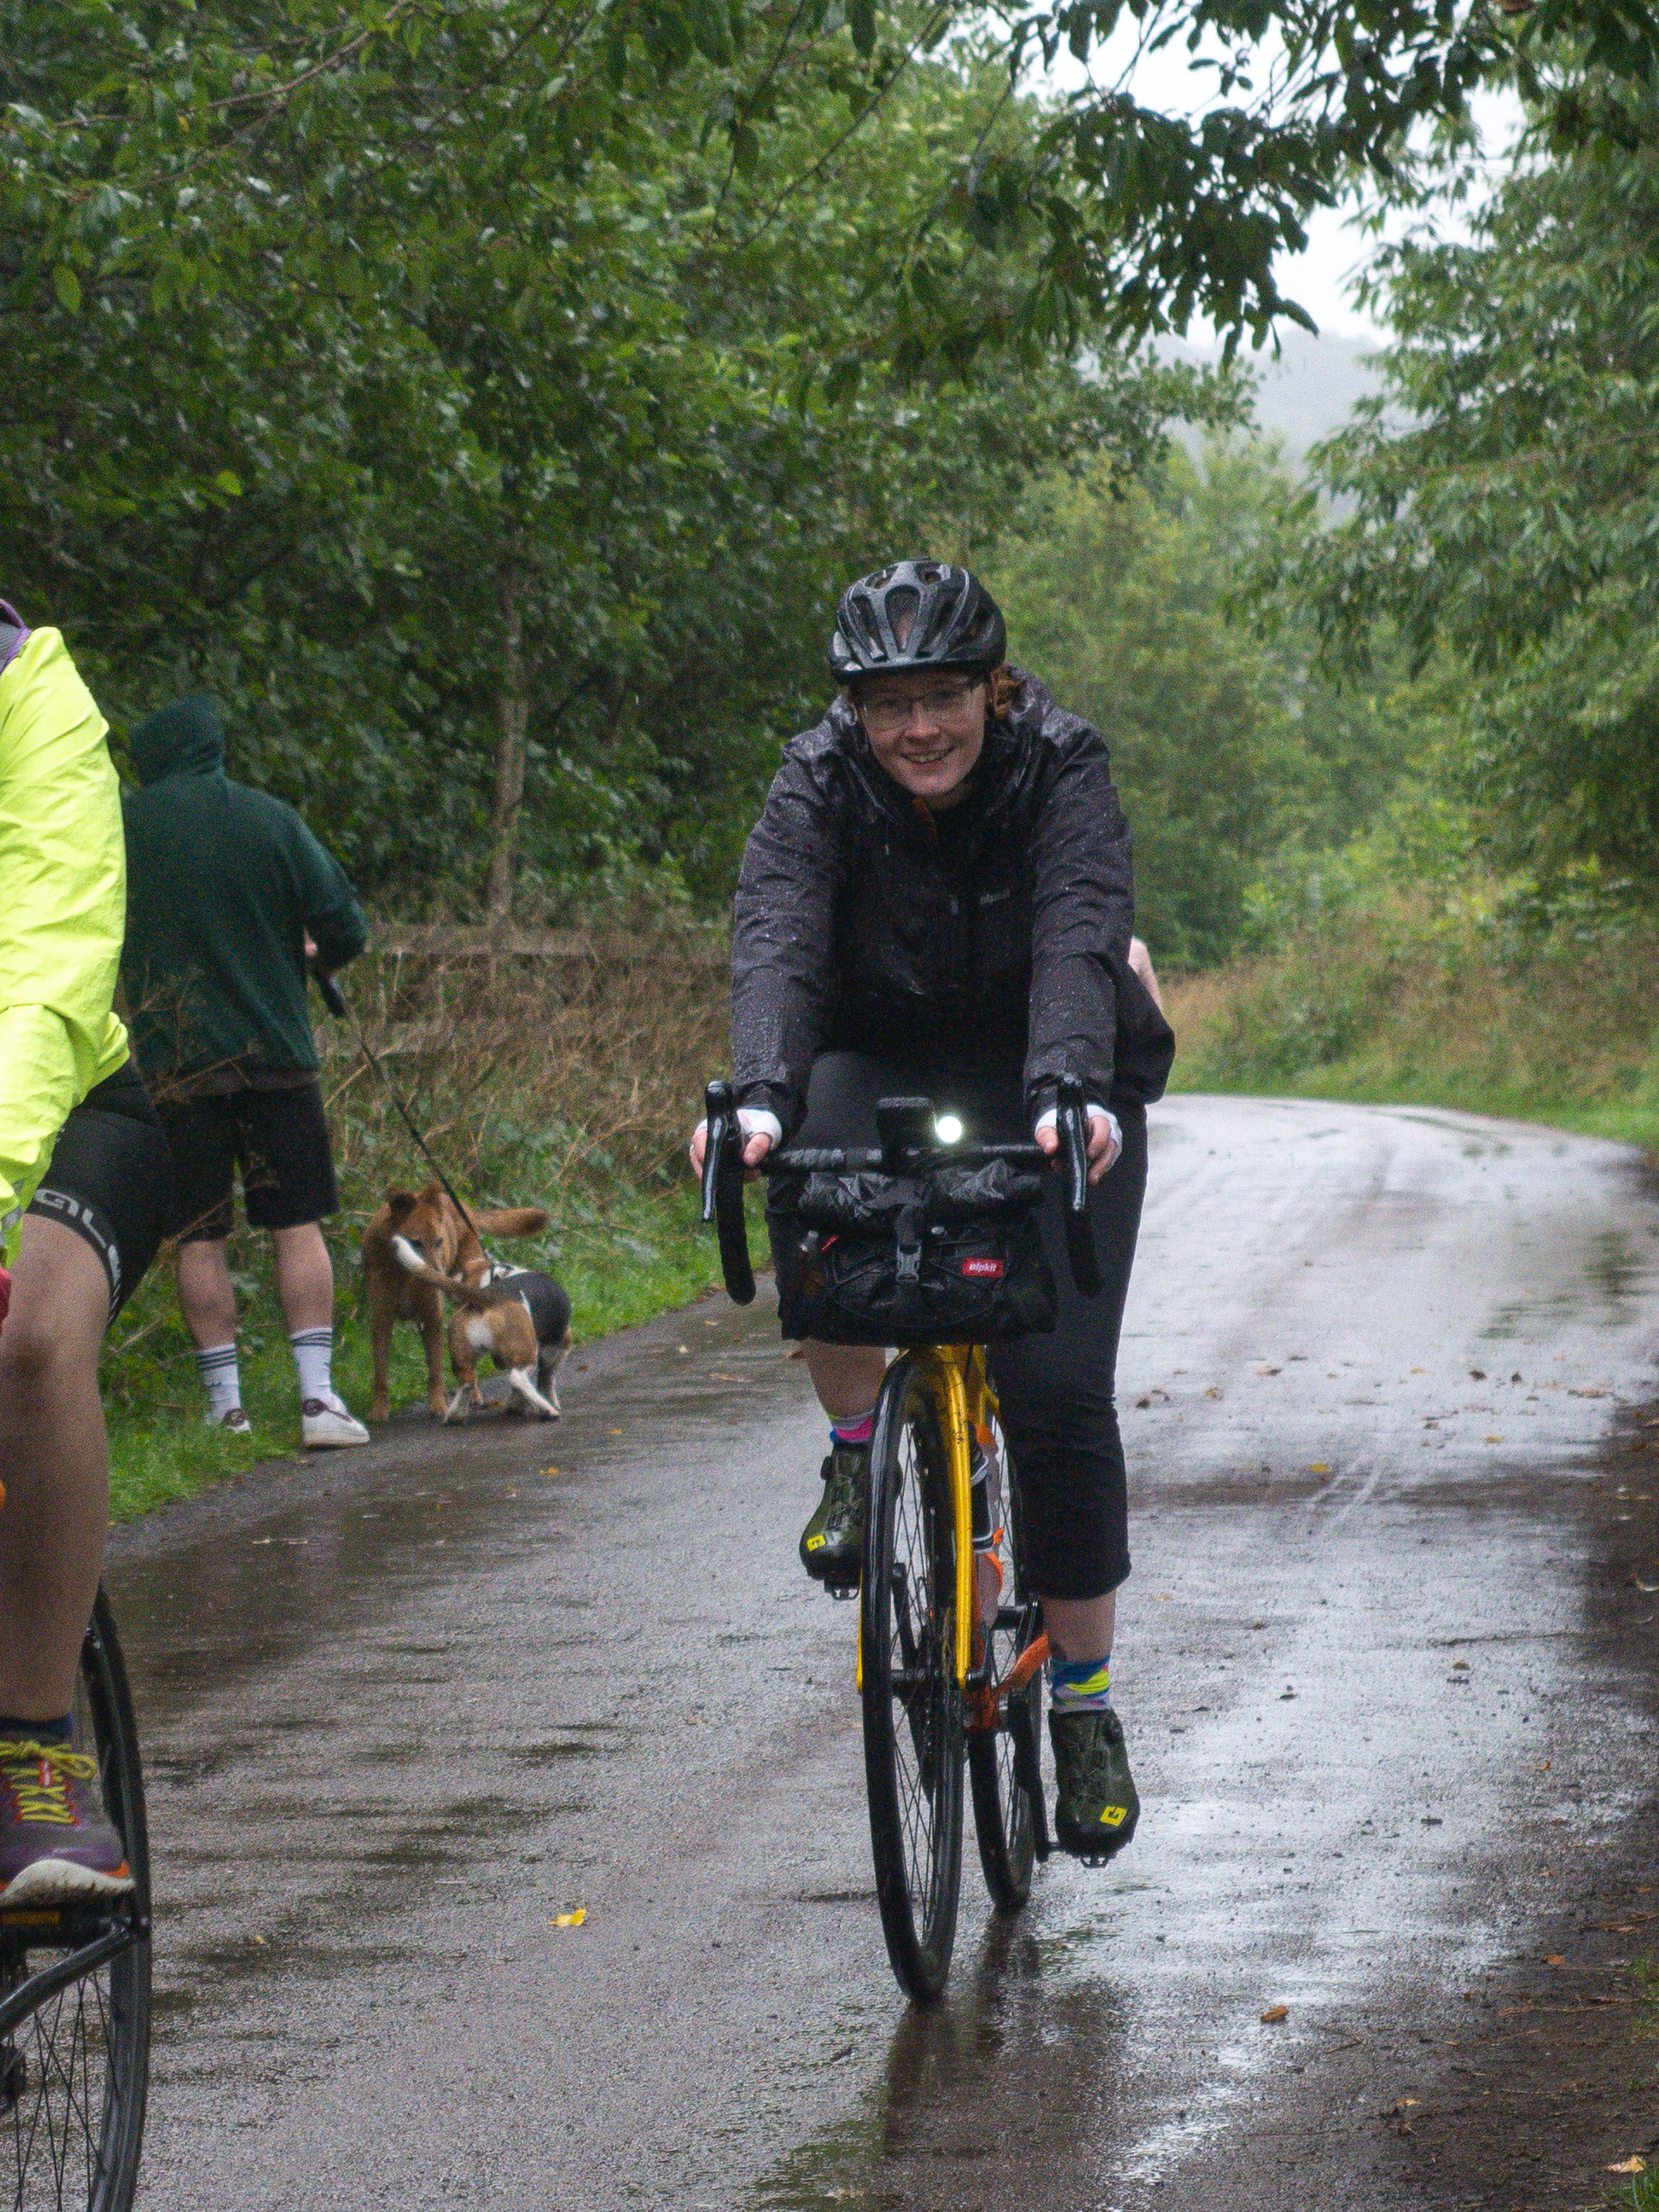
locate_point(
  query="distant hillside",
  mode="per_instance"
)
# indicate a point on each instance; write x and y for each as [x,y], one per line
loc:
[1308,391]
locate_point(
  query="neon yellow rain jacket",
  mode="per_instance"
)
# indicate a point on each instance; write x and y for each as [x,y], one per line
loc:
[62,911]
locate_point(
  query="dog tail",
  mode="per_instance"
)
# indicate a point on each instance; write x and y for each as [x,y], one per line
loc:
[512,1220]
[424,1272]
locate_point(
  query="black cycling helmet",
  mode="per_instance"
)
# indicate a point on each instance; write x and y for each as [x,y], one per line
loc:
[916,614]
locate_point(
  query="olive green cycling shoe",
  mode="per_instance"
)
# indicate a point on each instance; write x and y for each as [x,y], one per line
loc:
[1096,1804]
[832,1543]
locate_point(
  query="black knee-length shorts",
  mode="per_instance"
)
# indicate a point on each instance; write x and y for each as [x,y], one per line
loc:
[1058,1392]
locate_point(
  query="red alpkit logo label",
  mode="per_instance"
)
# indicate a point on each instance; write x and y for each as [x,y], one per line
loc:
[991,1268]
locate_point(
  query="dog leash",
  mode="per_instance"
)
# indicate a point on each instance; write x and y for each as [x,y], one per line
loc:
[335,999]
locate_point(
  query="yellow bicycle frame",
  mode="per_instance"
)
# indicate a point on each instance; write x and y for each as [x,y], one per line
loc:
[954,1377]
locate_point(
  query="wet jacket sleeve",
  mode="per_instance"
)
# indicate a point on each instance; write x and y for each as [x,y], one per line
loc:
[62,910]
[328,902]
[783,943]
[1083,914]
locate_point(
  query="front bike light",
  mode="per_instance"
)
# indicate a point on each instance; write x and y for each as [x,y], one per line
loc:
[948,1129]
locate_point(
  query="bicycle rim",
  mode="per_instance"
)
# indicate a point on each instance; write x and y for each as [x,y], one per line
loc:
[913,1740]
[75,2064]
[1004,1823]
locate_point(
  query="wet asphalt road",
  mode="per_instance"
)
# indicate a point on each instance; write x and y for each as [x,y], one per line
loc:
[404,1708]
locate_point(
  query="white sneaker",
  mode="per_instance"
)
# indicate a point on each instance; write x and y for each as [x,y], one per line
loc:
[322,1426]
[235,1422]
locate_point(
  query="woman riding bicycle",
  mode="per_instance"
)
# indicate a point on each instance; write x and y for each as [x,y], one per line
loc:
[938,899]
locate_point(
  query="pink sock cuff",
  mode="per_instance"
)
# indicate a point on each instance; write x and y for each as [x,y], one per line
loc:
[854,1431]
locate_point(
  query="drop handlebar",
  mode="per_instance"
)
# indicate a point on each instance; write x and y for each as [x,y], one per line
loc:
[903,1150]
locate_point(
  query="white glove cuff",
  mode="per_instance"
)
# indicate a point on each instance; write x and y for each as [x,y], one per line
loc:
[1050,1115]
[757,1121]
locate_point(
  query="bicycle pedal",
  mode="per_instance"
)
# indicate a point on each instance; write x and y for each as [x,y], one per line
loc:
[844,1591]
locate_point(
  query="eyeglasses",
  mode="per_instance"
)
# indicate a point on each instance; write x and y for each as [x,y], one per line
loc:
[938,705]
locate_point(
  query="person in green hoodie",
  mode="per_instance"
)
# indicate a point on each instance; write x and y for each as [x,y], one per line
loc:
[229,896]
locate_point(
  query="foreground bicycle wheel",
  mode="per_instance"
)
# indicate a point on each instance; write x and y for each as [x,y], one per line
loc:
[1005,1764]
[914,1739]
[74,1992]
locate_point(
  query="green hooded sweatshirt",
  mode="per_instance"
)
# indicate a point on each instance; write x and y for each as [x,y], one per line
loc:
[222,885]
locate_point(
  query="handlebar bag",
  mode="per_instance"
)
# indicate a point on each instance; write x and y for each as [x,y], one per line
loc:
[949,1256]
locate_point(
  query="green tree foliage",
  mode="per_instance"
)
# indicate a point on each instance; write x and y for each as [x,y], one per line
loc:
[1236,758]
[1504,503]
[480,423]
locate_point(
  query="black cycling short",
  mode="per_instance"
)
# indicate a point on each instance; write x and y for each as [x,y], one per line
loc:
[277,1140]
[1057,1393]
[111,1180]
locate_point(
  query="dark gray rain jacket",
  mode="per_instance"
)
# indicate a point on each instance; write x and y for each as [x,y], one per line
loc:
[990,940]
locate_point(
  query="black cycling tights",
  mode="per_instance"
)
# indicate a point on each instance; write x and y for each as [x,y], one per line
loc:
[1057,1392]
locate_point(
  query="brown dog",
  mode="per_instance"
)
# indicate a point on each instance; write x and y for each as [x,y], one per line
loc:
[433,1223]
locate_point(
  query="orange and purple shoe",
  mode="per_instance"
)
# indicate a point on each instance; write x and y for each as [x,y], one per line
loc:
[56,1846]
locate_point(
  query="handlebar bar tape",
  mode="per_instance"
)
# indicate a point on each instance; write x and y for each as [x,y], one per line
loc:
[1071,1124]
[722,1191]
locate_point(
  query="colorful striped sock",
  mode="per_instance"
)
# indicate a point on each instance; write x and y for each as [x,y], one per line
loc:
[216,1365]
[1080,1686]
[853,1431]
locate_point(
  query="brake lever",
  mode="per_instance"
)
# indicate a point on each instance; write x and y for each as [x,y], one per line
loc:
[722,1190]
[1072,1127]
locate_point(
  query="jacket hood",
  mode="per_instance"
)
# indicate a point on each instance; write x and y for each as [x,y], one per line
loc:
[186,737]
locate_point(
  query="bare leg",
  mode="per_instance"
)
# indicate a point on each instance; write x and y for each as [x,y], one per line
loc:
[205,1296]
[304,1277]
[1079,1629]
[847,1378]
[55,1463]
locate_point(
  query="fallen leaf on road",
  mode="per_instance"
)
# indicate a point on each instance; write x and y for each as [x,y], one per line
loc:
[613,1432]
[549,1470]
[1319,1467]
[1267,1370]
[1628,2166]
[1589,1394]
[1554,1958]
[684,1350]
[1286,1692]
[1460,1666]
[1143,1401]
[569,1920]
[1646,1589]
[1495,1440]
[1274,2014]
[1477,1375]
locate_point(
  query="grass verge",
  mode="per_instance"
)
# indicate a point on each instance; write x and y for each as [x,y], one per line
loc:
[1407,1004]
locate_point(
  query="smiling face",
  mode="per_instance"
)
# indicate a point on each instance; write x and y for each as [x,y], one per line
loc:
[926,727]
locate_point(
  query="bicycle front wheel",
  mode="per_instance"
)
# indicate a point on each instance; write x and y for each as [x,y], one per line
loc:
[74,1991]
[1004,1763]
[913,1736]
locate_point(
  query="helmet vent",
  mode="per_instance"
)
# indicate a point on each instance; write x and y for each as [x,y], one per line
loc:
[902,608]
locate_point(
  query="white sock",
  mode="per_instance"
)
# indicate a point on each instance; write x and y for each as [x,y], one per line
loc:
[216,1364]
[314,1357]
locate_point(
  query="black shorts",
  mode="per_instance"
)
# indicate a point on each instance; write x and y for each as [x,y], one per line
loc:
[278,1141]
[1057,1393]
[111,1180]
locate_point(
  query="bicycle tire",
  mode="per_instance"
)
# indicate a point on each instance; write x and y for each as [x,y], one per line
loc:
[1005,1764]
[914,1740]
[74,2056]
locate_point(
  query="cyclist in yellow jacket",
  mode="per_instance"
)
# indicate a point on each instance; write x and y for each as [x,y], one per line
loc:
[84,1186]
